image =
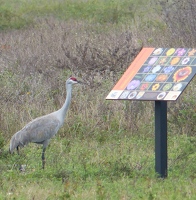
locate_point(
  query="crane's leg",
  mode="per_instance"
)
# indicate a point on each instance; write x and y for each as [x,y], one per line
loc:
[17,149]
[43,158]
[45,144]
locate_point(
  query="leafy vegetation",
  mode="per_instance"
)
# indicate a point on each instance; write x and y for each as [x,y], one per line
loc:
[21,13]
[105,150]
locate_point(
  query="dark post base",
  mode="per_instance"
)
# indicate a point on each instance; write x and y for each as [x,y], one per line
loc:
[161,138]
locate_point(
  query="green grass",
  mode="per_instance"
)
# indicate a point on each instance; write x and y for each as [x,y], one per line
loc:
[22,13]
[86,169]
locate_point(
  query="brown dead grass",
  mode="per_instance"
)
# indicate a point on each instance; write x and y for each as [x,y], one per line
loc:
[36,62]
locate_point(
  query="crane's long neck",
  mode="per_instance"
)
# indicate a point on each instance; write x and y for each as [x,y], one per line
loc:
[62,112]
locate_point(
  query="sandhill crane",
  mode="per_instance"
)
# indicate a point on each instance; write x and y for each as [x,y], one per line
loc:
[42,129]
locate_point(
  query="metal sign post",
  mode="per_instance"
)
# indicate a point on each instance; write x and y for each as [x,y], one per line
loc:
[161,138]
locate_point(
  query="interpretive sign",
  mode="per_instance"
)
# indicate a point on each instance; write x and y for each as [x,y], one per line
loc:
[156,74]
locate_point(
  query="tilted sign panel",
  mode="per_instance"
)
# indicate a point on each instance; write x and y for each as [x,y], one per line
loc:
[156,74]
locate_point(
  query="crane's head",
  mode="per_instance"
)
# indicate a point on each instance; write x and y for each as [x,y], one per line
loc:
[72,81]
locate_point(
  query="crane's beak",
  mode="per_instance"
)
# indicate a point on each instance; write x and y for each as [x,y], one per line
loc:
[80,82]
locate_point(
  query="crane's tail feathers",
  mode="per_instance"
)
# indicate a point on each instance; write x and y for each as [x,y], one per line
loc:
[17,140]
[14,143]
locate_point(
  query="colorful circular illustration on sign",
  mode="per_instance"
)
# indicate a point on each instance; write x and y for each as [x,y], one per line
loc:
[177,87]
[156,69]
[146,69]
[192,52]
[167,86]
[174,97]
[152,60]
[155,86]
[140,94]
[150,77]
[170,52]
[185,60]
[132,95]
[114,94]
[124,94]
[180,52]
[144,86]
[133,84]
[175,60]
[168,69]
[161,95]
[158,51]
[162,77]
[163,60]
[182,74]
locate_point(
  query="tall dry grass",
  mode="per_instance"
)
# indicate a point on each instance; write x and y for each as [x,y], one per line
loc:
[180,18]
[35,64]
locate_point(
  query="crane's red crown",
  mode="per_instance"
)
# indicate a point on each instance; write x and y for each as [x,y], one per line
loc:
[73,79]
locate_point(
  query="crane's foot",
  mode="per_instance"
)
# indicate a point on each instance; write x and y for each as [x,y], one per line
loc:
[43,158]
[43,163]
[22,168]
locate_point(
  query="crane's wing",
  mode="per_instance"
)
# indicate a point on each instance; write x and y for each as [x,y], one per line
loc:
[41,129]
[38,130]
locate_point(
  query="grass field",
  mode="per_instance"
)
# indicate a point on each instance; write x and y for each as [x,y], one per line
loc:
[21,13]
[105,150]
[86,169]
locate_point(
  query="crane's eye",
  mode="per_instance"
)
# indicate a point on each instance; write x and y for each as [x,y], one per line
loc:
[73,79]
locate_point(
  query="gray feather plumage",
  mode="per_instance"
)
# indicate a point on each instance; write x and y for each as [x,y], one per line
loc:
[39,130]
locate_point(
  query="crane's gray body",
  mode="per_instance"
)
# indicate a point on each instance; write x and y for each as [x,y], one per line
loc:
[41,129]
